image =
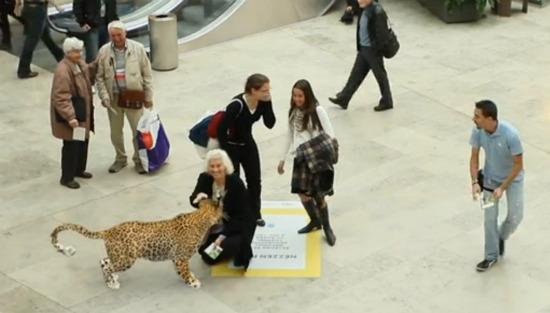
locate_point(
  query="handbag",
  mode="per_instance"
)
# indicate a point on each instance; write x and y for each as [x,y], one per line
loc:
[391,45]
[79,106]
[390,48]
[129,99]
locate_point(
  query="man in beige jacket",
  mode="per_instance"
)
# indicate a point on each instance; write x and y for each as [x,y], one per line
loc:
[122,64]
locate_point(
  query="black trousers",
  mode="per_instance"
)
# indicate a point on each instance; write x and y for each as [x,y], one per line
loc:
[36,28]
[231,246]
[248,157]
[6,8]
[368,59]
[74,156]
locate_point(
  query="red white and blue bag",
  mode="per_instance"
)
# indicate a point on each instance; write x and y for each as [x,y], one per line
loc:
[153,144]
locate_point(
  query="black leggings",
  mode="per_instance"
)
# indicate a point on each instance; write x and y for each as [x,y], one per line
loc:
[231,246]
[248,157]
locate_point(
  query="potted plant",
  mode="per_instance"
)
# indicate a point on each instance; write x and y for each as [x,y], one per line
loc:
[457,11]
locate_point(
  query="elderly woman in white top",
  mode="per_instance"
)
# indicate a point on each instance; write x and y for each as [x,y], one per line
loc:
[72,109]
[307,120]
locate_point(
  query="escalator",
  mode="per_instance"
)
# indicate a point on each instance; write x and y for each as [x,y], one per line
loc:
[202,22]
[192,15]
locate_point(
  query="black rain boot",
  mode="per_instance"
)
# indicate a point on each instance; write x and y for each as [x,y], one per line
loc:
[314,223]
[329,234]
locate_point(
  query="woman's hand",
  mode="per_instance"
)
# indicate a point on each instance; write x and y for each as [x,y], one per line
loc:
[219,240]
[199,197]
[73,123]
[281,167]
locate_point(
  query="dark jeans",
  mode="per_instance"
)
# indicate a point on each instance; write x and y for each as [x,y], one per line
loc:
[368,59]
[93,40]
[74,156]
[248,157]
[36,28]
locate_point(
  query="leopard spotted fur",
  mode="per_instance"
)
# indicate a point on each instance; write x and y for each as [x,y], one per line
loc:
[175,239]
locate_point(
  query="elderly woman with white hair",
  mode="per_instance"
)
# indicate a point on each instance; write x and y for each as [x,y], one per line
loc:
[72,115]
[233,236]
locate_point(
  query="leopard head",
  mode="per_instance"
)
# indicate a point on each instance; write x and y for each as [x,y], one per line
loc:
[212,208]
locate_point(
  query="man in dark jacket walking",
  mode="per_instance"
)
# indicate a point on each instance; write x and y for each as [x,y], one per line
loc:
[94,16]
[372,34]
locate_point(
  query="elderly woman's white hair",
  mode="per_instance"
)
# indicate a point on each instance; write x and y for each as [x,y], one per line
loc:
[116,25]
[72,43]
[219,154]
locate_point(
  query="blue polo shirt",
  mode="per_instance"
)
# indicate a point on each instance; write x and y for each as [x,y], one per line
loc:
[499,148]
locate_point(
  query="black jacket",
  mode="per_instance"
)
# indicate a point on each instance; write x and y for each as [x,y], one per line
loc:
[378,26]
[238,121]
[89,12]
[236,205]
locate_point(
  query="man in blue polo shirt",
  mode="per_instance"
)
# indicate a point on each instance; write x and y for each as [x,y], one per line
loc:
[503,171]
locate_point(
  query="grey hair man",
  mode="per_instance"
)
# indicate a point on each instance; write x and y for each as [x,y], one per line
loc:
[123,69]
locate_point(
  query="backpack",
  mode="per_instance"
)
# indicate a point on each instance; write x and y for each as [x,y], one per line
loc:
[391,46]
[206,127]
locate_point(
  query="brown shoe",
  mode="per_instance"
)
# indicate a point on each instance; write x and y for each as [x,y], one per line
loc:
[116,167]
[27,75]
[139,169]
[85,175]
[70,184]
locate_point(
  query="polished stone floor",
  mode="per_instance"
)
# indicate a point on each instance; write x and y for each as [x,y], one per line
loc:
[409,235]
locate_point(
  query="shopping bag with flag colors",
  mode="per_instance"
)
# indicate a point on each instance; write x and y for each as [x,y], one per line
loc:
[152,141]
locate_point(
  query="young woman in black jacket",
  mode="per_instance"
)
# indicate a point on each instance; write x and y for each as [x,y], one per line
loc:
[235,134]
[235,232]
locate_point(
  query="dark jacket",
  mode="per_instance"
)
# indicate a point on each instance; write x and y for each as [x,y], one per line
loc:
[236,205]
[89,12]
[356,10]
[313,171]
[238,121]
[378,26]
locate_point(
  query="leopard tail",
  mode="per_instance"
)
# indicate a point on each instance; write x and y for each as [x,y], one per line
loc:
[68,250]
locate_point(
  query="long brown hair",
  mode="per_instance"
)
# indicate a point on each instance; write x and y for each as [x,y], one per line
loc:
[255,81]
[310,105]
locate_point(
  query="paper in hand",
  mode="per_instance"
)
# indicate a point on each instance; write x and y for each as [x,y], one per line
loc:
[79,133]
[213,250]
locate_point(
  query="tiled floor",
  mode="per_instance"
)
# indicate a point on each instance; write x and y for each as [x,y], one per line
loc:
[409,235]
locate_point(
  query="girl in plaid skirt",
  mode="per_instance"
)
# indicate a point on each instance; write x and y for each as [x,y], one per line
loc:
[308,125]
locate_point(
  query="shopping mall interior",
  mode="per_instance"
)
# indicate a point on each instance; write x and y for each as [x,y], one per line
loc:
[409,235]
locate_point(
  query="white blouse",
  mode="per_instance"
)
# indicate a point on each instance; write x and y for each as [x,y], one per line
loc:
[295,138]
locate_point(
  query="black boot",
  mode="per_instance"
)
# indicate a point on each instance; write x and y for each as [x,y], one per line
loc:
[314,223]
[329,234]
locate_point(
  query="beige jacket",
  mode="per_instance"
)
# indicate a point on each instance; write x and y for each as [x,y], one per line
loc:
[65,79]
[138,71]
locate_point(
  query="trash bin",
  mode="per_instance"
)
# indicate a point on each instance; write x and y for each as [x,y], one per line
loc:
[163,36]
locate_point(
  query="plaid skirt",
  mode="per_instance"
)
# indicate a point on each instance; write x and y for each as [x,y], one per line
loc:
[305,182]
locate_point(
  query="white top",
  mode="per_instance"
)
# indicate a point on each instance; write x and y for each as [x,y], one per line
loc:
[295,138]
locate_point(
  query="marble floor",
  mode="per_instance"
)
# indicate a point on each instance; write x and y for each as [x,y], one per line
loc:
[409,235]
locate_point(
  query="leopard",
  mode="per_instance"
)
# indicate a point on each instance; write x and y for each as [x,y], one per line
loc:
[176,239]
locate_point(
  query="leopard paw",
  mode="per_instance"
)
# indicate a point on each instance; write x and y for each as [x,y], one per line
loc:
[195,283]
[113,284]
[69,251]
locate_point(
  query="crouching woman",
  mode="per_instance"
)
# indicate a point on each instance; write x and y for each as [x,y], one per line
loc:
[232,237]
